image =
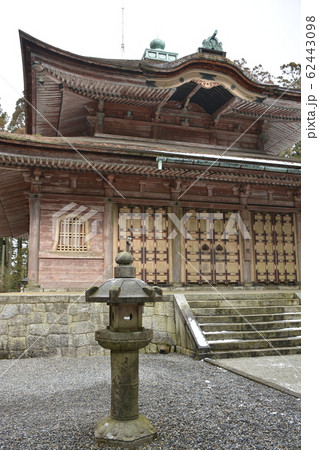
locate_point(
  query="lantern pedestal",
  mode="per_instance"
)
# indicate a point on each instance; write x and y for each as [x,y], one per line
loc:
[124,426]
[125,335]
[124,433]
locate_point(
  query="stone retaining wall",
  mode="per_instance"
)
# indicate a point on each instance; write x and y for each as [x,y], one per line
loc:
[38,325]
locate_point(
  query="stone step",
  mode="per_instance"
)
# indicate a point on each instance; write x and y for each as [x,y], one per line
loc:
[244,310]
[243,295]
[252,334]
[249,344]
[248,318]
[248,323]
[256,352]
[230,303]
[244,326]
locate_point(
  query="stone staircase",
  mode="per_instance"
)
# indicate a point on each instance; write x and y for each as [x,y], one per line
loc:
[242,324]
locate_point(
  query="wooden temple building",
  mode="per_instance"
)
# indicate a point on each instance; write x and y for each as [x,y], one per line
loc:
[175,157]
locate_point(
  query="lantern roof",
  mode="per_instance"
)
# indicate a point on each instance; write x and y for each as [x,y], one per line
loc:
[125,288]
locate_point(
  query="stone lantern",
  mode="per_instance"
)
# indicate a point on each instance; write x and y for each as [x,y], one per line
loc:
[124,336]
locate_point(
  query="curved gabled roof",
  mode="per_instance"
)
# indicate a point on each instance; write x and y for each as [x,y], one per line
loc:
[63,87]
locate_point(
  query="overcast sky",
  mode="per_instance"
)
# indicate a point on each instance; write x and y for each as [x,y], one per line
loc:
[263,32]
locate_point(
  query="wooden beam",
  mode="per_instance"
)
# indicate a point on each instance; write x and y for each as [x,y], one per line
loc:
[163,103]
[222,110]
[190,95]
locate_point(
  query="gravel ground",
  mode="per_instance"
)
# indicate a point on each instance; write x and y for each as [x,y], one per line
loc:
[54,403]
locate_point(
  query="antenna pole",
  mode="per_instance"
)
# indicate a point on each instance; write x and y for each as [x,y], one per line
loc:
[122,45]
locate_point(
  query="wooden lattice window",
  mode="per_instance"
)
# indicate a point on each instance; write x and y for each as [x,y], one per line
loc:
[73,234]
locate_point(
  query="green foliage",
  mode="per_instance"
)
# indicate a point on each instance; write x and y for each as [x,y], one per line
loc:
[3,119]
[17,122]
[257,73]
[14,263]
[293,152]
[291,76]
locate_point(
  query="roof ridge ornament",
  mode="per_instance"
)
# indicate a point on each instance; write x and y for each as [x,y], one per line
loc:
[157,52]
[212,45]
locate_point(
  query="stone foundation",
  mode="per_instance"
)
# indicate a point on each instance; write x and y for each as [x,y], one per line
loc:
[62,324]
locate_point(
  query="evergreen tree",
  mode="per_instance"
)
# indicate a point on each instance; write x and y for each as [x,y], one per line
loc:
[13,251]
[3,119]
[14,263]
[17,122]
[289,78]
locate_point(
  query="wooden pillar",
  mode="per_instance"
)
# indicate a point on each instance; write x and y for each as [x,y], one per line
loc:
[176,248]
[297,200]
[108,239]
[298,244]
[247,249]
[247,243]
[34,240]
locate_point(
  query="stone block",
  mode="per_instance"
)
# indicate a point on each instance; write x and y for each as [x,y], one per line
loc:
[148,310]
[4,327]
[159,309]
[52,317]
[35,343]
[150,348]
[161,337]
[57,341]
[61,308]
[105,320]
[52,341]
[82,352]
[78,308]
[68,351]
[82,327]
[64,340]
[63,319]
[98,308]
[39,329]
[77,298]
[79,340]
[3,342]
[81,317]
[20,319]
[97,319]
[25,309]
[17,331]
[159,323]
[36,318]
[148,322]
[171,327]
[57,328]
[91,339]
[169,309]
[17,344]
[39,307]
[50,307]
[9,311]
[164,348]
[96,350]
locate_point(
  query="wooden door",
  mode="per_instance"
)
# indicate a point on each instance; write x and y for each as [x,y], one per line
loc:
[275,250]
[148,229]
[211,255]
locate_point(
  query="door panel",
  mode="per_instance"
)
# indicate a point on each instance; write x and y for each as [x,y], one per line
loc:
[211,256]
[148,229]
[274,243]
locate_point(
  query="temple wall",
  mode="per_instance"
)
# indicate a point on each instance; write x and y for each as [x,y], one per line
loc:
[55,325]
[70,269]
